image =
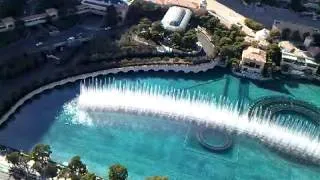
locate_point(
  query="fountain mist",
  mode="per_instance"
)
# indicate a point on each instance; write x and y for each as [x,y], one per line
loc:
[297,139]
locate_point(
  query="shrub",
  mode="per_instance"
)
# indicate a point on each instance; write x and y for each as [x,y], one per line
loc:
[253,24]
[118,172]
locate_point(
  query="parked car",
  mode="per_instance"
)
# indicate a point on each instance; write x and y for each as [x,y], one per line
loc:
[71,38]
[107,28]
[39,44]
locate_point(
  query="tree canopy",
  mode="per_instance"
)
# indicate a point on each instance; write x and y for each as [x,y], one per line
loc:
[253,24]
[118,172]
[296,36]
[89,176]
[42,5]
[274,53]
[157,178]
[111,17]
[77,167]
[12,8]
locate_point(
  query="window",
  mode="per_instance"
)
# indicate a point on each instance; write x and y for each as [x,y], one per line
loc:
[300,63]
[312,65]
[287,60]
[252,64]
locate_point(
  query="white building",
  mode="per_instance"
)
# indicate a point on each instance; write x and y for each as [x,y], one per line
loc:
[100,6]
[296,62]
[40,18]
[7,24]
[176,18]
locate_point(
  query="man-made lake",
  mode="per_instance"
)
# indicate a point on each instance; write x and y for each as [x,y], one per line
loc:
[149,145]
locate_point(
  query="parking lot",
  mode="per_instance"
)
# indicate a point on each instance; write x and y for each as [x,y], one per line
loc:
[265,14]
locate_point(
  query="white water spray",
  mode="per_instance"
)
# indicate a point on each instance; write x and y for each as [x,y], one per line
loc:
[302,142]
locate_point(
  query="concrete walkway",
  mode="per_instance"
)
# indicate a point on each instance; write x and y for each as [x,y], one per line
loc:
[228,16]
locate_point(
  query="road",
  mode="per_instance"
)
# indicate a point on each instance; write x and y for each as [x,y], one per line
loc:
[228,16]
[29,45]
[267,14]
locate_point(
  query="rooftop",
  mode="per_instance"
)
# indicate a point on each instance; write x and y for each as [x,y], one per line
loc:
[36,16]
[302,58]
[176,18]
[254,54]
[103,3]
[290,51]
[7,20]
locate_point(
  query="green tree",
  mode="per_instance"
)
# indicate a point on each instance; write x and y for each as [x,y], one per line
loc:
[275,33]
[145,21]
[77,167]
[62,5]
[212,23]
[225,41]
[41,153]
[13,158]
[235,63]
[157,178]
[316,39]
[296,36]
[156,26]
[227,51]
[20,163]
[111,17]
[51,170]
[189,39]
[296,5]
[144,26]
[304,35]
[274,53]
[157,31]
[253,24]
[286,33]
[118,172]
[176,38]
[12,8]
[89,176]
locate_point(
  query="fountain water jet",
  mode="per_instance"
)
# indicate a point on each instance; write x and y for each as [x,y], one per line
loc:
[297,139]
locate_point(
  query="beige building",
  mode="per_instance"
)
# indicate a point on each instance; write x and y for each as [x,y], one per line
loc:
[253,60]
[7,24]
[295,61]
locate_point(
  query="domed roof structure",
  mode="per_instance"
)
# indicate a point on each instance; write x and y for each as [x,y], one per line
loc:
[262,34]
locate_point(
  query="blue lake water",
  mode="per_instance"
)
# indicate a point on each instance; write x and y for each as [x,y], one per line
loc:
[155,146]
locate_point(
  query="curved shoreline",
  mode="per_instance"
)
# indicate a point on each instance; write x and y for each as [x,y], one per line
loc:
[145,68]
